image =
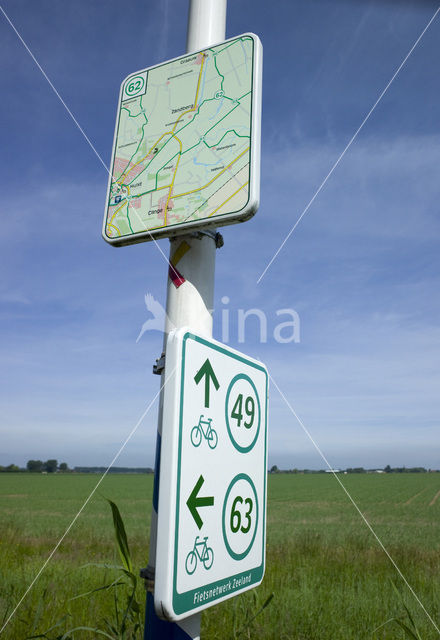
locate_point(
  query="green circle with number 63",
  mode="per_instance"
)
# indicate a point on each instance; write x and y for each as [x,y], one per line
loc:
[243,413]
[240,516]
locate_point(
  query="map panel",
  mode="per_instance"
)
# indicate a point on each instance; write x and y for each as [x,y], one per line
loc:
[186,148]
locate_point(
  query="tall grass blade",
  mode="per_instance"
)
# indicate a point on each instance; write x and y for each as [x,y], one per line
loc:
[411,633]
[407,630]
[66,636]
[38,613]
[249,621]
[44,635]
[115,583]
[121,537]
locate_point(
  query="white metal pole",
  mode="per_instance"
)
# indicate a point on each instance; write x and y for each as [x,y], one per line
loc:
[190,295]
[206,24]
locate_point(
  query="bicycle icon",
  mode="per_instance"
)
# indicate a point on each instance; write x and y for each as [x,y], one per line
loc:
[201,552]
[198,432]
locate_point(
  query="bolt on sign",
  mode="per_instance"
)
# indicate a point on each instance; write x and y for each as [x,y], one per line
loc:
[186,150]
[212,496]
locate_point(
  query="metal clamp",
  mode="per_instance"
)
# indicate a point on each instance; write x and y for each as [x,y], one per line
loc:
[159,366]
[211,233]
[219,242]
[147,575]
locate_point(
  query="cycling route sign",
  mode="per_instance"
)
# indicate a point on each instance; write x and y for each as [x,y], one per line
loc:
[213,472]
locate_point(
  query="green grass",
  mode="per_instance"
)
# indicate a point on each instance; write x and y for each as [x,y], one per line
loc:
[329,577]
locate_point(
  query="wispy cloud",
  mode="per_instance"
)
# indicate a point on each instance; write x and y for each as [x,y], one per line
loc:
[14,298]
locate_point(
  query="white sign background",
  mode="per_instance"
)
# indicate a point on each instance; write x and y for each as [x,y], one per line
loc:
[207,453]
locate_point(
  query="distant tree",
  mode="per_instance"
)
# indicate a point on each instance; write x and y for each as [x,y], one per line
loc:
[2,469]
[35,466]
[274,469]
[64,467]
[387,469]
[13,468]
[51,466]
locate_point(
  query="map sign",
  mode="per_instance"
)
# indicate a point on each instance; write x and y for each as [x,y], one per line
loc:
[213,470]
[187,144]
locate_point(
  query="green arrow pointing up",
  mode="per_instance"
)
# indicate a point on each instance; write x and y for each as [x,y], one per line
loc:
[207,372]
[194,502]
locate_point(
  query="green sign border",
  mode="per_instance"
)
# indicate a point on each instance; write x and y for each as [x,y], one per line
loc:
[183,602]
[242,376]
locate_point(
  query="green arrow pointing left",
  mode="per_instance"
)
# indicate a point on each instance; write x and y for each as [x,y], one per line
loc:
[194,502]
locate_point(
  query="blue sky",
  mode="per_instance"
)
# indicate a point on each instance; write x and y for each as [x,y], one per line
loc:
[361,269]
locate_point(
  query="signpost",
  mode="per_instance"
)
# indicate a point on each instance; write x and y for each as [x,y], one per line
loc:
[212,498]
[186,158]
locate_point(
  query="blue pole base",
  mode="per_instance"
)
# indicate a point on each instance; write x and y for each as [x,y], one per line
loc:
[157,629]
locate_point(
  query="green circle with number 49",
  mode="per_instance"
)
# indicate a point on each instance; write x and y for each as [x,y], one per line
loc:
[240,516]
[243,413]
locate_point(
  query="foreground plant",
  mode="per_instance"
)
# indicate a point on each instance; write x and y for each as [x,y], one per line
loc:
[251,616]
[47,633]
[127,623]
[410,629]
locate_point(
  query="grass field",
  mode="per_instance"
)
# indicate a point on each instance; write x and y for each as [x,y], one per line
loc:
[329,577]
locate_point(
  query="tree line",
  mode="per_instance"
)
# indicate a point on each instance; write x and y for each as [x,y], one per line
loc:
[52,466]
[38,466]
[387,469]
